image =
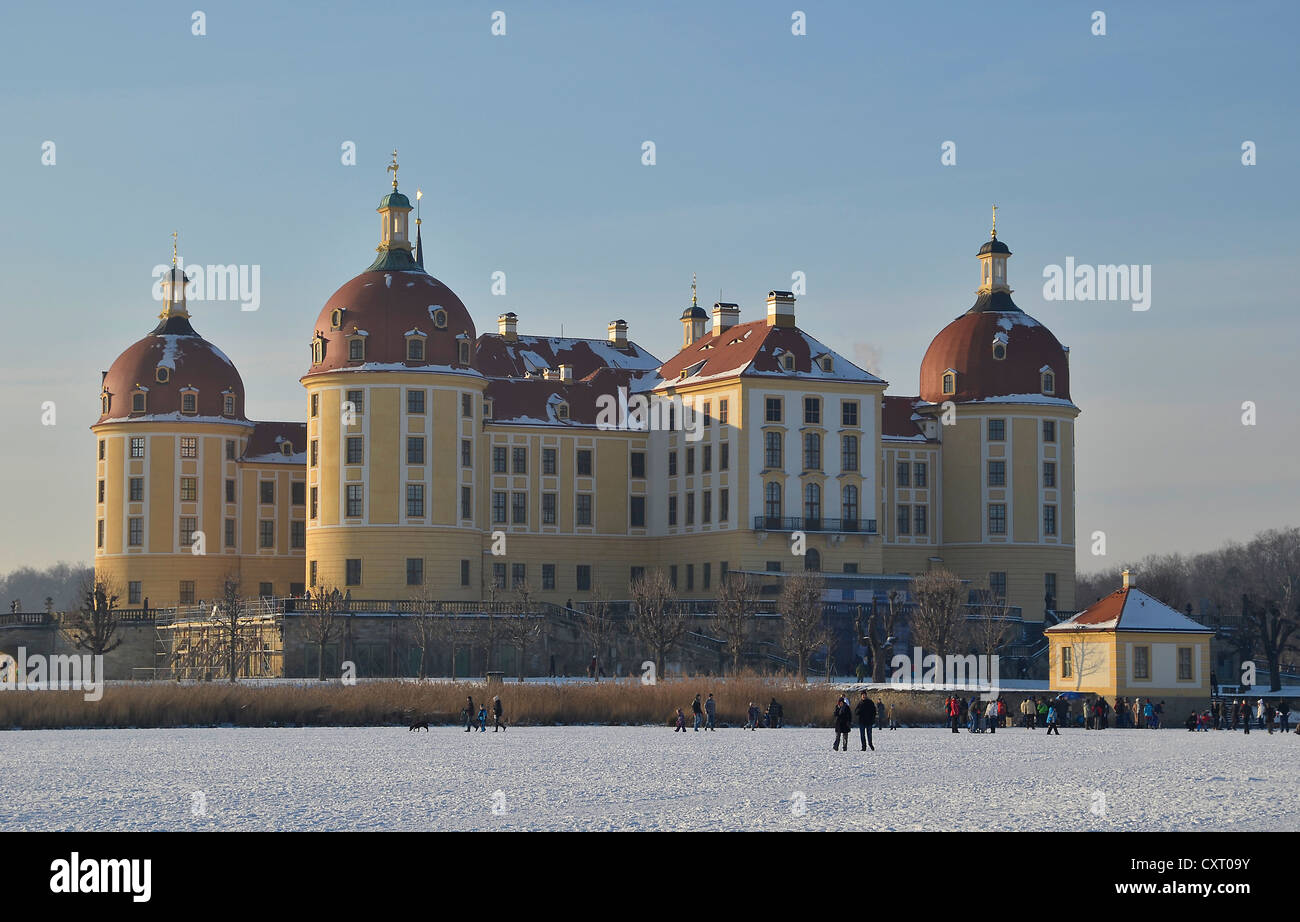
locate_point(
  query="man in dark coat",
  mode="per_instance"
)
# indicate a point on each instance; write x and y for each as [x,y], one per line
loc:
[469,713]
[698,712]
[843,723]
[497,711]
[866,713]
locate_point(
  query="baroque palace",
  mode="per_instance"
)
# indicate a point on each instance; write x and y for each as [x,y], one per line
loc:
[425,437]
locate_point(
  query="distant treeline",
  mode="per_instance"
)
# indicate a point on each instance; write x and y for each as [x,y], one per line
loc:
[1250,591]
[61,583]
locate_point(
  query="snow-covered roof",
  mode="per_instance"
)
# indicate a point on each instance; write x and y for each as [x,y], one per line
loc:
[1131,609]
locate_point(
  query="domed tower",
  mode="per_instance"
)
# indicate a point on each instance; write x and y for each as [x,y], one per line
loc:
[999,382]
[170,429]
[394,416]
[694,319]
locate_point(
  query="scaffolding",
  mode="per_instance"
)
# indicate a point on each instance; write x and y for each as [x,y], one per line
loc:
[195,645]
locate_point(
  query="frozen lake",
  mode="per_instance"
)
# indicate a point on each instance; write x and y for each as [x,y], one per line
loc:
[644,778]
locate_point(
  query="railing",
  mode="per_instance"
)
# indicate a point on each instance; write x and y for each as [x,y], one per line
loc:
[128,615]
[806,523]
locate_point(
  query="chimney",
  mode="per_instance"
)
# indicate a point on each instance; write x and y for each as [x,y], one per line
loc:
[780,309]
[1125,574]
[618,334]
[507,326]
[725,316]
[566,373]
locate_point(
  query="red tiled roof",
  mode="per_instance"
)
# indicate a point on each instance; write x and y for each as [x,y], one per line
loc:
[1131,609]
[498,358]
[898,419]
[756,348]
[265,444]
[966,346]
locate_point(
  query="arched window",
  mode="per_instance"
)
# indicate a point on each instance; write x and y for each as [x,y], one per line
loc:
[105,401]
[464,352]
[849,508]
[1049,381]
[317,350]
[812,560]
[772,504]
[849,453]
[812,451]
[950,382]
[812,506]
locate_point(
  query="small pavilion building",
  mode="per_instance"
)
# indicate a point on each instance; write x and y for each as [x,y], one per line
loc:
[1130,644]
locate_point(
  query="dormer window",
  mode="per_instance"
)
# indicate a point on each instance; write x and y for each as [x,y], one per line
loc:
[318,350]
[464,352]
[138,401]
[562,411]
[787,362]
[1048,379]
[227,404]
[415,346]
[1000,346]
[163,374]
[357,349]
[336,319]
[487,408]
[439,318]
[286,448]
[189,401]
[105,401]
[950,382]
[827,364]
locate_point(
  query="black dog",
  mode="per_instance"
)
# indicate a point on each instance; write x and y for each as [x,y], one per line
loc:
[421,725]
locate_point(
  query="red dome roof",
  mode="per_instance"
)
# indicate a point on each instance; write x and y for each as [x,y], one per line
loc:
[386,306]
[187,360]
[967,346]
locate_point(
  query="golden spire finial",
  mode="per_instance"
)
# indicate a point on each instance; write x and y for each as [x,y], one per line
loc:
[419,194]
[392,168]
[173,249]
[994,234]
[694,302]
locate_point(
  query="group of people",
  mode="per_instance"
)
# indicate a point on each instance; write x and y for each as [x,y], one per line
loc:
[866,711]
[705,713]
[1227,715]
[477,720]
[975,715]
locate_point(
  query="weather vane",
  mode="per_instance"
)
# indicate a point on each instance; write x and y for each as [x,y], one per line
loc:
[995,221]
[392,168]
[173,248]
[694,303]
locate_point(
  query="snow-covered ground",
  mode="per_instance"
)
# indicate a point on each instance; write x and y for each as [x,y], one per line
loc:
[644,778]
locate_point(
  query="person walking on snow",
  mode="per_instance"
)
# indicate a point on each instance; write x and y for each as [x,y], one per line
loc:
[866,713]
[497,710]
[681,722]
[893,722]
[1051,722]
[843,723]
[710,708]
[698,712]
[470,713]
[753,717]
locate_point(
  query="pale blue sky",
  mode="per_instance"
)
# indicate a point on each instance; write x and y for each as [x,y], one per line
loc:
[776,153]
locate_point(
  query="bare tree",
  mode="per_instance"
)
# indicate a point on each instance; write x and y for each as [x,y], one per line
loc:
[1273,608]
[233,627]
[737,606]
[430,628]
[92,626]
[988,624]
[803,624]
[596,626]
[524,625]
[657,620]
[322,621]
[936,620]
[878,634]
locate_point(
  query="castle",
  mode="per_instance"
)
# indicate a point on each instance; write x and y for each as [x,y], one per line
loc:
[424,438]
